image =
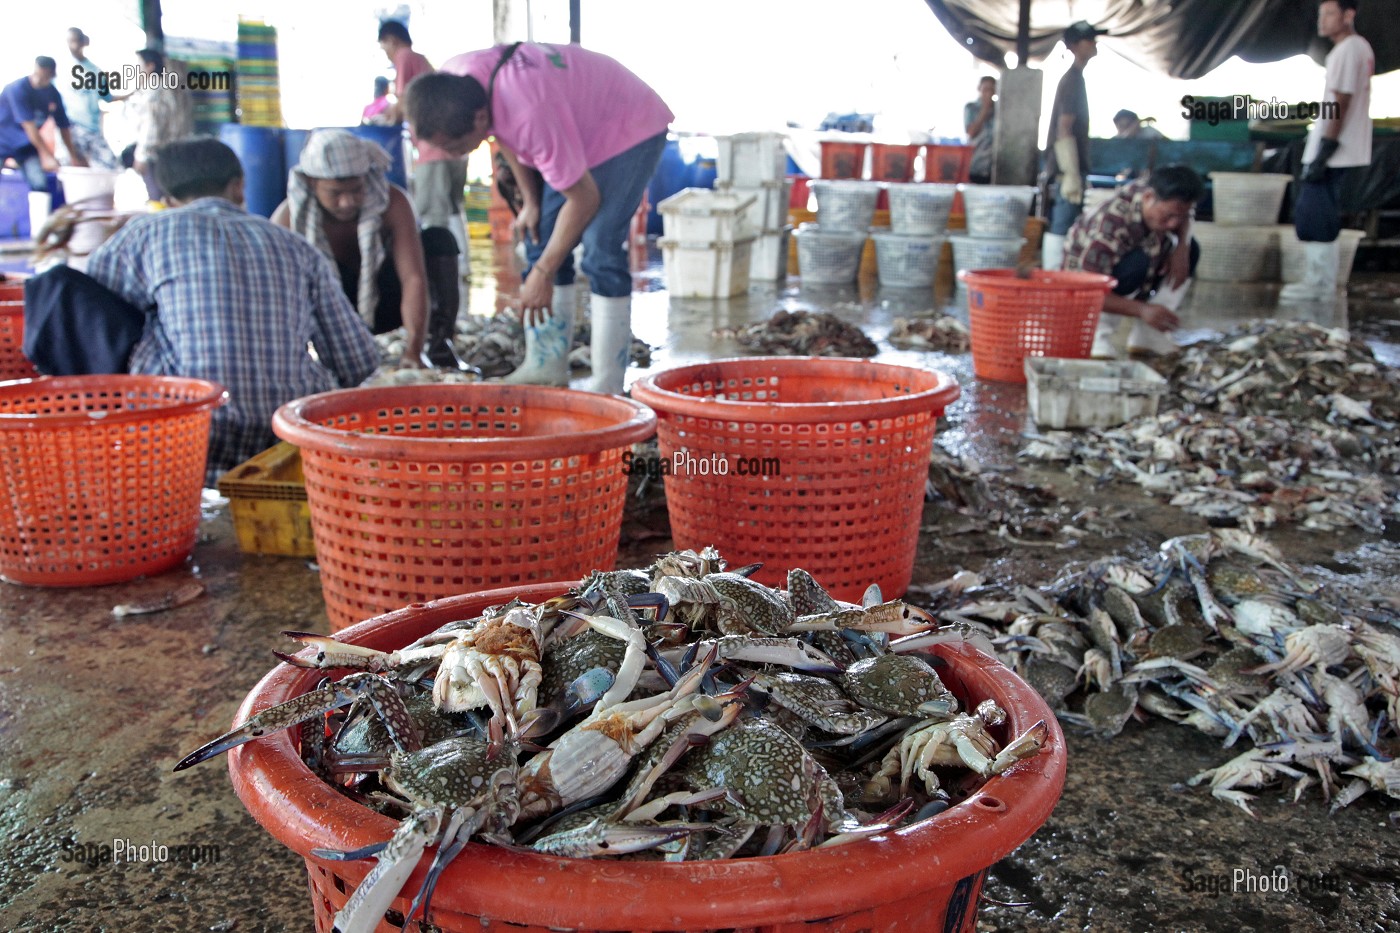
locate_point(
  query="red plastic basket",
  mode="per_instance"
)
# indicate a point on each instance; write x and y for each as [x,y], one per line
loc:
[419,492]
[947,164]
[927,876]
[1042,314]
[825,463]
[892,163]
[100,476]
[843,159]
[13,363]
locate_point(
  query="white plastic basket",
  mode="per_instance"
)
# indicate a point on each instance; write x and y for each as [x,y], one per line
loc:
[1236,254]
[826,256]
[920,209]
[748,160]
[767,208]
[846,204]
[706,270]
[768,261]
[1245,199]
[1292,261]
[705,215]
[997,211]
[906,261]
[970,252]
[1064,393]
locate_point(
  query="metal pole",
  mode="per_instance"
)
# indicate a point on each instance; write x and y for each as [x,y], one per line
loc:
[1023,35]
[575,21]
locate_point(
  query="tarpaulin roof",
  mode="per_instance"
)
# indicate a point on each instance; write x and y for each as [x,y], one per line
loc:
[1180,38]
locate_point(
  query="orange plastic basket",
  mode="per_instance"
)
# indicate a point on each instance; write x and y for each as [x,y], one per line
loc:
[101,475]
[842,159]
[947,164]
[927,876]
[418,492]
[800,462]
[13,363]
[1043,314]
[892,163]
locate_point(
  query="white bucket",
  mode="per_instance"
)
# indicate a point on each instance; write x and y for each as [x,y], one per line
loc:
[846,204]
[971,252]
[997,211]
[88,188]
[906,261]
[921,209]
[40,204]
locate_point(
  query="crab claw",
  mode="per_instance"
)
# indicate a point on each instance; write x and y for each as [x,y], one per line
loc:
[332,653]
[328,696]
[1024,746]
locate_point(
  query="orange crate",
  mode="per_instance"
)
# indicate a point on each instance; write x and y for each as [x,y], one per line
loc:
[924,877]
[13,363]
[1044,314]
[843,159]
[851,439]
[102,475]
[892,163]
[418,492]
[947,164]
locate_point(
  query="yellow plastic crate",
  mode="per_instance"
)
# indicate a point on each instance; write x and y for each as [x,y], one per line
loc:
[267,497]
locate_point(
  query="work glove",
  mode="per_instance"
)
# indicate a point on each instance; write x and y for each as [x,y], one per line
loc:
[1071,181]
[1316,170]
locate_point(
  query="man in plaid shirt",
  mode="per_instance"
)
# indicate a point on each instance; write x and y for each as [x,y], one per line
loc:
[1136,237]
[232,298]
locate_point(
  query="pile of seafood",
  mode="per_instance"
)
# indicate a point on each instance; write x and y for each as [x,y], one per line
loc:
[801,333]
[1217,633]
[495,345]
[679,712]
[947,334]
[1282,422]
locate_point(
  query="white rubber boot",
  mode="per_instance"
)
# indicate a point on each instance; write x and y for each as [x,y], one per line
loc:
[1319,282]
[1052,251]
[611,336]
[1103,348]
[547,346]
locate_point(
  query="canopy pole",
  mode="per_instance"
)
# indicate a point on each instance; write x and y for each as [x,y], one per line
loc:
[1023,35]
[575,24]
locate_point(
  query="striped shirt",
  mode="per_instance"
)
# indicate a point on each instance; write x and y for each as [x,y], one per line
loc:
[236,300]
[1098,240]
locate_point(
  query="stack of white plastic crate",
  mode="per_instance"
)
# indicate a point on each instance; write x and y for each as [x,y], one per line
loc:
[707,243]
[755,165]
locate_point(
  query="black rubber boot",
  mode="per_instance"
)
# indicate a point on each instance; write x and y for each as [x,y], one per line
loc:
[444,296]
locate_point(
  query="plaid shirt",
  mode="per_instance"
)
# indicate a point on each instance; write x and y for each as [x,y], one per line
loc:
[235,300]
[1099,240]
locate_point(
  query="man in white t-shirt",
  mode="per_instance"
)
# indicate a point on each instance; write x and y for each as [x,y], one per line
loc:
[1339,141]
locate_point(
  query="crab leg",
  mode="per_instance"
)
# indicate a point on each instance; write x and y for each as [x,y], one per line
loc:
[896,617]
[365,909]
[386,701]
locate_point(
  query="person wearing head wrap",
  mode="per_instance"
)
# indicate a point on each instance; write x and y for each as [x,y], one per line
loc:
[340,199]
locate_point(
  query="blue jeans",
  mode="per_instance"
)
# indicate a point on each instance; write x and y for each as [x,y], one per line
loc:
[1132,273]
[621,181]
[1062,213]
[34,174]
[1317,213]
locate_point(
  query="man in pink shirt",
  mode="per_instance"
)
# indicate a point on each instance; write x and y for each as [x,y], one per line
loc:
[438,177]
[583,136]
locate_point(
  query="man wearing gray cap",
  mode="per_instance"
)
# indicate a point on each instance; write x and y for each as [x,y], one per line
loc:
[1067,148]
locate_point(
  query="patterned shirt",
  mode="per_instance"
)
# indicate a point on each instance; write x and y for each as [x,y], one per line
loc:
[236,300]
[1098,240]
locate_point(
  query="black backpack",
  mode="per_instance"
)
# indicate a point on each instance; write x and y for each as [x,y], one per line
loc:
[76,326]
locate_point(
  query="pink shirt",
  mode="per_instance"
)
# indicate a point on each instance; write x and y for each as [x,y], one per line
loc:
[563,109]
[408,65]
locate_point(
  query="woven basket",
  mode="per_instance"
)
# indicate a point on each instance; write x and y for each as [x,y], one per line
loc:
[906,261]
[970,252]
[920,209]
[1245,199]
[1236,254]
[846,205]
[997,211]
[826,256]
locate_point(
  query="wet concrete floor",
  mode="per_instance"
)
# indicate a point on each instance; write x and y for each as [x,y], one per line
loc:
[95,710]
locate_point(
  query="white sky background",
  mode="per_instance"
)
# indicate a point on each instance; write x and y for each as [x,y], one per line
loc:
[723,66]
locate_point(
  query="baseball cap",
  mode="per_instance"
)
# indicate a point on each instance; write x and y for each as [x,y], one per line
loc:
[1078,32]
